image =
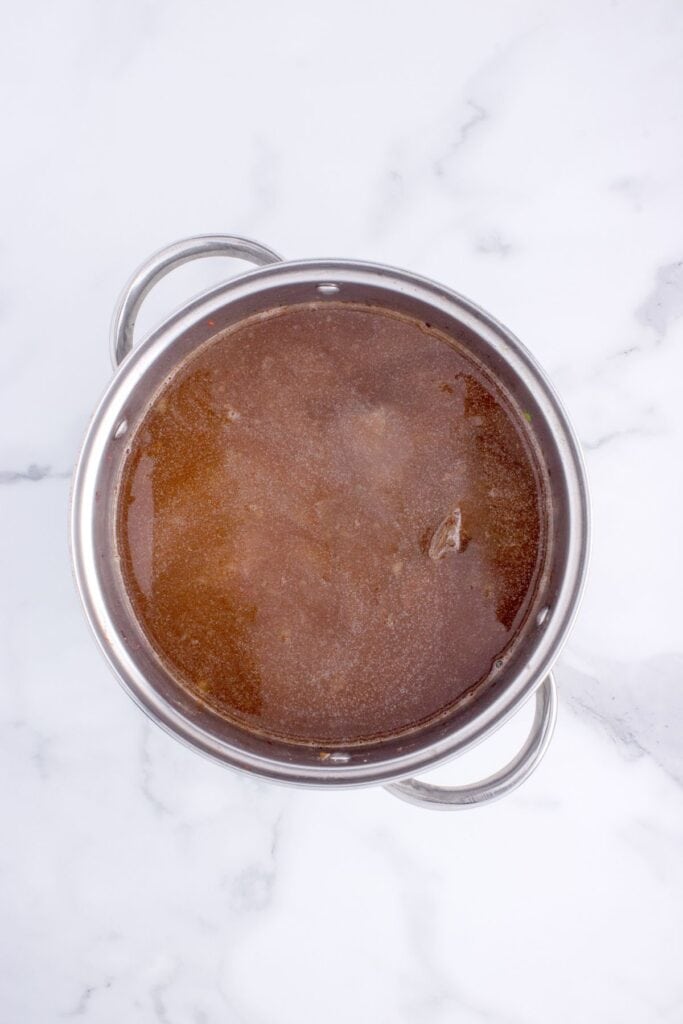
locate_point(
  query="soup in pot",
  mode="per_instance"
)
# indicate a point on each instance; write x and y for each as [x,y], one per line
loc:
[332,523]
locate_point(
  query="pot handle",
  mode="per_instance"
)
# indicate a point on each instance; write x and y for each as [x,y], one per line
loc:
[453,798]
[160,264]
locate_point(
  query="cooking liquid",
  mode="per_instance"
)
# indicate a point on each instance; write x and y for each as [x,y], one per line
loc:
[331,523]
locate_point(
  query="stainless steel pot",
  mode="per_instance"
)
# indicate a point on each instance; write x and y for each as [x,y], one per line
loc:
[142,371]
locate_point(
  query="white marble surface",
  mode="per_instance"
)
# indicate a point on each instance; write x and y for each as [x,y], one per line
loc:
[529,154]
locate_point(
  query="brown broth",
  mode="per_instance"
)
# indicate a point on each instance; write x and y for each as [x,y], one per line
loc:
[331,524]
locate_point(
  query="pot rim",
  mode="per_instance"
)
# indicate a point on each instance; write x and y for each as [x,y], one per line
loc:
[84,510]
